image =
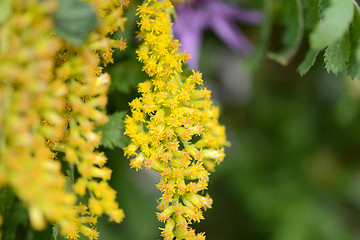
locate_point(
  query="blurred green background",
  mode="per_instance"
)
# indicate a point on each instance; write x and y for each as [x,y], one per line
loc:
[292,171]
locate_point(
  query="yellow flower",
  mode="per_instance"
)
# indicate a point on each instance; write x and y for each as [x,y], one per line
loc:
[31,115]
[52,96]
[174,128]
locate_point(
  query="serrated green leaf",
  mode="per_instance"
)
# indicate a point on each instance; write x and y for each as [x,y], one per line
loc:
[354,64]
[74,20]
[262,45]
[307,63]
[354,70]
[293,21]
[337,55]
[334,24]
[113,131]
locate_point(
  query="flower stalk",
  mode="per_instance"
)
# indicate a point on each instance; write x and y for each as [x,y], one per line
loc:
[52,96]
[173,126]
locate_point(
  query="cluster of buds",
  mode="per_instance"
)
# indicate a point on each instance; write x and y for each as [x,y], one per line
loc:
[52,96]
[173,126]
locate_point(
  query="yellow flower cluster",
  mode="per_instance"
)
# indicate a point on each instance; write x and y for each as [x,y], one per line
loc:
[173,126]
[52,95]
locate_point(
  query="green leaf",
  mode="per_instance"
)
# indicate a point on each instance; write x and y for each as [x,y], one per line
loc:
[337,55]
[354,64]
[307,63]
[6,200]
[19,216]
[126,75]
[56,230]
[311,9]
[335,22]
[322,6]
[74,20]
[293,21]
[5,10]
[262,45]
[113,131]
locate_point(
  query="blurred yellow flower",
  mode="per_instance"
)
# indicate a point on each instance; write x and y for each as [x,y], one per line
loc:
[52,96]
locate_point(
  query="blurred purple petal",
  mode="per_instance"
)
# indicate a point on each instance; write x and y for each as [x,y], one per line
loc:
[199,15]
[242,15]
[231,35]
[189,30]
[191,43]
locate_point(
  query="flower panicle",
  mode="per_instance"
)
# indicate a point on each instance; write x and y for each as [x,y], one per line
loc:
[31,115]
[87,99]
[173,125]
[52,96]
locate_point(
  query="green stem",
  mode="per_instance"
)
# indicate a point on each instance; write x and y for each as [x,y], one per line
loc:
[70,176]
[55,231]
[58,147]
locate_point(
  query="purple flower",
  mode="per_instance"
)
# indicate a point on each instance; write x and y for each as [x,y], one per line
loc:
[195,17]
